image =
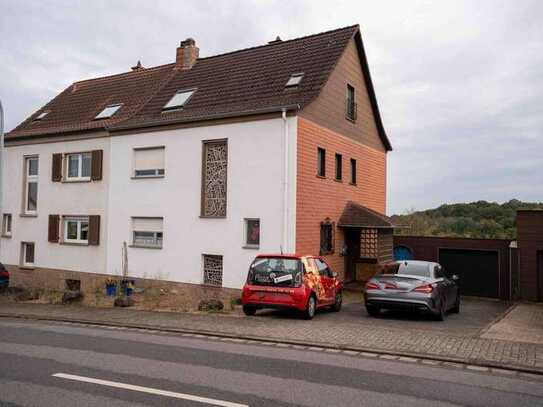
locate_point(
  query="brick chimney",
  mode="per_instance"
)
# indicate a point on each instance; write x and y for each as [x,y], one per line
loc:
[187,54]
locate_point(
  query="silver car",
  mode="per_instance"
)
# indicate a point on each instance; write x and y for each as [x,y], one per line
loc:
[413,285]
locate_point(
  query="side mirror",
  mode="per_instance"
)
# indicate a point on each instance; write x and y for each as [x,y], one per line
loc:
[455,277]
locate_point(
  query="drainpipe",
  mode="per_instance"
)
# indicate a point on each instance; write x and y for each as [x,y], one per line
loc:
[285,242]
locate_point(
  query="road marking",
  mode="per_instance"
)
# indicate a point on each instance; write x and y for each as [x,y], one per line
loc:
[149,390]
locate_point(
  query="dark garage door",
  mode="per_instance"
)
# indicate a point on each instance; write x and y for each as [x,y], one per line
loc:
[478,270]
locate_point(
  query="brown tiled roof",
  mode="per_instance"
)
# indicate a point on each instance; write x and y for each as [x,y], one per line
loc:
[76,107]
[237,83]
[356,215]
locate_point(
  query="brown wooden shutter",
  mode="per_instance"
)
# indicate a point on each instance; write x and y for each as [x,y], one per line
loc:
[56,170]
[53,233]
[94,230]
[96,171]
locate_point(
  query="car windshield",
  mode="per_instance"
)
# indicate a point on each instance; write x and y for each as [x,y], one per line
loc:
[414,269]
[276,271]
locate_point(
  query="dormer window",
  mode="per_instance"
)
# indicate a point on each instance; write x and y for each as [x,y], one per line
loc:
[294,80]
[179,100]
[108,111]
[42,115]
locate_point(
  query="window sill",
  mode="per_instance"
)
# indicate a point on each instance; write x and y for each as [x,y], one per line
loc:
[76,181]
[338,180]
[212,217]
[147,176]
[27,267]
[354,184]
[320,176]
[350,119]
[252,247]
[28,215]
[141,246]
[74,244]
[6,236]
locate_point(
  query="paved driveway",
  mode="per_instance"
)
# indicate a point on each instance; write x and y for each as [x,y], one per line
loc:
[475,315]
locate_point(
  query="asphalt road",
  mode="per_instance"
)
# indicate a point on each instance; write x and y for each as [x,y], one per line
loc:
[47,364]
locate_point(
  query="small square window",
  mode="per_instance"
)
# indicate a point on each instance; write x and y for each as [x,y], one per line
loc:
[108,111]
[321,162]
[78,167]
[147,232]
[179,100]
[42,115]
[212,269]
[27,254]
[294,80]
[76,230]
[149,162]
[252,233]
[6,224]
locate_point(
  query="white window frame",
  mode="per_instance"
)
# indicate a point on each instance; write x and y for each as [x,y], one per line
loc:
[173,104]
[79,176]
[7,224]
[246,243]
[158,172]
[157,242]
[24,246]
[80,220]
[294,80]
[30,179]
[108,111]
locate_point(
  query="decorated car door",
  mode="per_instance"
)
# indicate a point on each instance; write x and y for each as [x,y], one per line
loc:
[313,280]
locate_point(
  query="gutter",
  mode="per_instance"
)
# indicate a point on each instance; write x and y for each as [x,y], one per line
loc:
[242,113]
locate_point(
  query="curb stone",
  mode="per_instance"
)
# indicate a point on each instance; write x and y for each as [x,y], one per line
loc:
[485,366]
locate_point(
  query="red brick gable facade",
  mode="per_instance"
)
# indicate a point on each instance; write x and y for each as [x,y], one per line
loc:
[320,198]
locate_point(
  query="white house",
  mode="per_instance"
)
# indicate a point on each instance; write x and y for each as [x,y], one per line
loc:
[199,165]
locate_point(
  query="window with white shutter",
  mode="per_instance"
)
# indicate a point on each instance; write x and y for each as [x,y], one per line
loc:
[147,232]
[149,162]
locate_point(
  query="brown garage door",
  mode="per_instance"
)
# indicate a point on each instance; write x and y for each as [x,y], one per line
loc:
[478,270]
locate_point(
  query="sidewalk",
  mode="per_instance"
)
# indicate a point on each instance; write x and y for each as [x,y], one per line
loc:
[326,330]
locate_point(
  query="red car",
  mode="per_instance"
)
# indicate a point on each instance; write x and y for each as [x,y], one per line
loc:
[304,283]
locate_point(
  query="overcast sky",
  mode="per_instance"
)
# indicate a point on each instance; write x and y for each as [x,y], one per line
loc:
[459,83]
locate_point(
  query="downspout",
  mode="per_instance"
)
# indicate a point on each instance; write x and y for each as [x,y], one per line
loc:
[284,245]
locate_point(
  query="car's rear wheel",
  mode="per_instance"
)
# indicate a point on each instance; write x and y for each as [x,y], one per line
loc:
[310,308]
[248,310]
[373,311]
[338,302]
[456,308]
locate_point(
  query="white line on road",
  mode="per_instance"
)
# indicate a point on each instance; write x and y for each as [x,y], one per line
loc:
[149,390]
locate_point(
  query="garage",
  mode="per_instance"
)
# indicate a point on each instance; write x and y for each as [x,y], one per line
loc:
[478,270]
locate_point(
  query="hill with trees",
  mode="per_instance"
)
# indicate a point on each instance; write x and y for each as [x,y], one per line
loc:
[479,219]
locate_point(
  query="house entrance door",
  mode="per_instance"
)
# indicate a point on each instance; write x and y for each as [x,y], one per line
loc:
[352,241]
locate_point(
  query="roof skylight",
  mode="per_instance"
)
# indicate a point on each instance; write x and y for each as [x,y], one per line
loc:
[294,80]
[108,111]
[179,100]
[42,115]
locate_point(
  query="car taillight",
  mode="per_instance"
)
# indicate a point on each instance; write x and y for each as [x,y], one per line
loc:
[427,288]
[372,286]
[391,286]
[4,274]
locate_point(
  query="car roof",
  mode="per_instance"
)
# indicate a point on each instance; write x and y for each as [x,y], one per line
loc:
[418,262]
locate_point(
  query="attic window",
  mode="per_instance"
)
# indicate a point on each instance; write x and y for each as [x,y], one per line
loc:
[42,115]
[294,80]
[108,111]
[179,100]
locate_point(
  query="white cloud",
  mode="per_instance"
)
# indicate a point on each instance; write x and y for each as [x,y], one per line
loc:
[459,83]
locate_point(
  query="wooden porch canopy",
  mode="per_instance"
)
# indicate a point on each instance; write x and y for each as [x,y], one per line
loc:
[357,216]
